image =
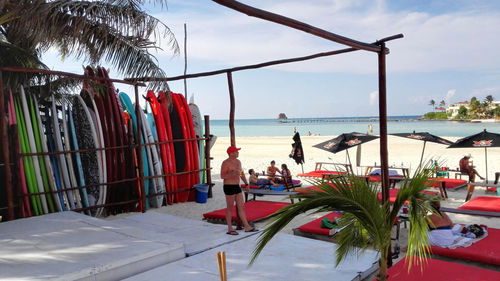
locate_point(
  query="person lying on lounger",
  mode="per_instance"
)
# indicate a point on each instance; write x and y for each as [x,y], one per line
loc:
[444,233]
[254,180]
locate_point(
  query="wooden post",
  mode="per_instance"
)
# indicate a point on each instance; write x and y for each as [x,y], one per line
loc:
[6,156]
[382,105]
[207,155]
[231,111]
[139,149]
[185,62]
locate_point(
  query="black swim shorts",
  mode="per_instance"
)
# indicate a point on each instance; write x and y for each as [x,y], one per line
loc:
[231,189]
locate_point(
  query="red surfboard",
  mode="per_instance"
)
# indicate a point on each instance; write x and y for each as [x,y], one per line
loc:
[183,151]
[162,136]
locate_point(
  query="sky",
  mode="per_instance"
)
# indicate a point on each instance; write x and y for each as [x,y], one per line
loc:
[449,52]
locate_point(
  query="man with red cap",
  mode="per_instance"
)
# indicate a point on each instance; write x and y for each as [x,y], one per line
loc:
[231,172]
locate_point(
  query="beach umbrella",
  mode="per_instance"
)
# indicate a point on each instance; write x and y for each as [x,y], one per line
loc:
[424,136]
[484,139]
[297,153]
[345,141]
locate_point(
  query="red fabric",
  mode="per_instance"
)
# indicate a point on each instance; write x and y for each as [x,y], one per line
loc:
[393,192]
[438,270]
[483,203]
[307,189]
[320,173]
[486,250]
[315,225]
[448,183]
[378,178]
[254,210]
[251,186]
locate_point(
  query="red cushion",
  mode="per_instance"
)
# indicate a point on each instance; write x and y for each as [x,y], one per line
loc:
[448,183]
[393,192]
[254,210]
[315,225]
[486,250]
[320,173]
[438,270]
[378,178]
[250,186]
[483,203]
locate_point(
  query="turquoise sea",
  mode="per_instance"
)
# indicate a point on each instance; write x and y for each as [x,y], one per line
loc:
[336,126]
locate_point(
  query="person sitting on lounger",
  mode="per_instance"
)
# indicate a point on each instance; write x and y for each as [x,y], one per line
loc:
[271,171]
[254,180]
[466,168]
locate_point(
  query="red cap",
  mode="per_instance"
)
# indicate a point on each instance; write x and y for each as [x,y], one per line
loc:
[232,148]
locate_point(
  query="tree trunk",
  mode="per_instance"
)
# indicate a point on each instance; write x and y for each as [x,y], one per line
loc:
[382,263]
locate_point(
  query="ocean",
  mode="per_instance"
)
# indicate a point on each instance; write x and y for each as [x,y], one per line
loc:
[339,125]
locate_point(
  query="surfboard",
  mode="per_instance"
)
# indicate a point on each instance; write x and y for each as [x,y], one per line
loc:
[164,108]
[198,129]
[32,145]
[154,162]
[29,172]
[78,160]
[63,199]
[183,151]
[69,160]
[195,179]
[162,136]
[88,98]
[87,138]
[61,159]
[22,180]
[127,105]
[36,134]
[48,165]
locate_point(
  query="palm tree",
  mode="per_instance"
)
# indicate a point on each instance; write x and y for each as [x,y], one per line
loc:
[488,99]
[432,103]
[116,32]
[366,221]
[442,103]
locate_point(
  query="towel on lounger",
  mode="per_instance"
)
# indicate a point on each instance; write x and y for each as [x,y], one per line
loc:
[451,238]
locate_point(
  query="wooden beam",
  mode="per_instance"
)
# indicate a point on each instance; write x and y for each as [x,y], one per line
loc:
[231,109]
[265,15]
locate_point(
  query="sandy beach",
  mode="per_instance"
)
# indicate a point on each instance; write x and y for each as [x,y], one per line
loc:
[257,152]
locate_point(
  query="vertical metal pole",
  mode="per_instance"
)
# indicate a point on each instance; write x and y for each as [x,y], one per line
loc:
[382,106]
[139,149]
[207,155]
[486,160]
[6,156]
[185,62]
[231,112]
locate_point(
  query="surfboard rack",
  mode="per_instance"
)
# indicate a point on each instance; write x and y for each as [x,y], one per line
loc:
[15,198]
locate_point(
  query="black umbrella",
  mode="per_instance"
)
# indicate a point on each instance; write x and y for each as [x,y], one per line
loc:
[345,141]
[424,136]
[484,139]
[297,153]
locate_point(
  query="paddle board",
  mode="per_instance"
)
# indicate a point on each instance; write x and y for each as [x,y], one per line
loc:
[32,145]
[195,157]
[63,166]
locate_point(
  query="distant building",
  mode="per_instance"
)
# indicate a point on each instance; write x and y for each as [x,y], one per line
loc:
[454,107]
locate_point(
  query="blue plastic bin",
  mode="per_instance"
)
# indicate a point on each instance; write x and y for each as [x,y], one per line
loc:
[201,193]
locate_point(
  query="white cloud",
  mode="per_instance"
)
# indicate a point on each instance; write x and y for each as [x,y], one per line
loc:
[449,95]
[373,98]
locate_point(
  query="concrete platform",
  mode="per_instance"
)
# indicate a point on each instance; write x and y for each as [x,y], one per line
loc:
[287,257]
[196,236]
[72,246]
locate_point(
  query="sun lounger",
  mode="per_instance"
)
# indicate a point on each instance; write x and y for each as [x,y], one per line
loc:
[453,184]
[490,187]
[255,211]
[321,174]
[262,192]
[486,250]
[393,192]
[314,230]
[483,203]
[438,270]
